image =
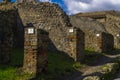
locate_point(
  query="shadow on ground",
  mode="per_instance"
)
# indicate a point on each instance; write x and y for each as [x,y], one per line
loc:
[60,66]
[96,59]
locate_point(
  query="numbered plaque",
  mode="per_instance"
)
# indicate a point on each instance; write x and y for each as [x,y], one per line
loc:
[71,30]
[30,30]
[97,35]
[118,35]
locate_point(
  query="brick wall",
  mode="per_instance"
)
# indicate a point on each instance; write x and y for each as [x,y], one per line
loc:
[110,20]
[95,40]
[99,42]
[75,44]
[112,25]
[46,16]
[35,50]
[51,18]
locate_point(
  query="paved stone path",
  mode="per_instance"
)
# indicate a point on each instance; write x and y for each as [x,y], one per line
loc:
[91,69]
[102,61]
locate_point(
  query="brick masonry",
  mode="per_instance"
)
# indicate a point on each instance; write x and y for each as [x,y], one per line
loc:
[110,20]
[96,37]
[51,18]
[75,46]
[35,50]
[99,42]
[46,16]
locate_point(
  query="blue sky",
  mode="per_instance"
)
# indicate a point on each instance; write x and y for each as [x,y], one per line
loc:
[77,6]
[11,0]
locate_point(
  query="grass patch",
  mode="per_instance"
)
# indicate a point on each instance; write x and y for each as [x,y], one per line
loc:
[78,65]
[58,66]
[89,49]
[10,71]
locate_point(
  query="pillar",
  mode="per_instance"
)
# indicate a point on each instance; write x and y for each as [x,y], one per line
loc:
[35,50]
[75,47]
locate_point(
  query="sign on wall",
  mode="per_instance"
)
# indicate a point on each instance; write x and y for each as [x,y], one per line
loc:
[118,35]
[97,35]
[70,30]
[30,30]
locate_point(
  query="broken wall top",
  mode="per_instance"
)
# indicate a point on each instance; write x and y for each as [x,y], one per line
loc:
[112,19]
[7,6]
[49,17]
[99,14]
[43,12]
[26,1]
[87,24]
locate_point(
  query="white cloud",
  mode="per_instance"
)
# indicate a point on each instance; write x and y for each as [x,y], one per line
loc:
[76,6]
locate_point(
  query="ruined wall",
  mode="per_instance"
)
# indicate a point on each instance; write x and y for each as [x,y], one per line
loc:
[110,20]
[26,1]
[75,44]
[99,42]
[35,50]
[49,17]
[11,30]
[107,42]
[46,16]
[112,25]
[16,22]
[7,22]
[95,40]
[102,20]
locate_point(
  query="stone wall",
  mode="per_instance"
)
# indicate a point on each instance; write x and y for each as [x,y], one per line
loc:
[16,23]
[107,42]
[35,50]
[95,40]
[7,22]
[46,16]
[112,25]
[26,1]
[111,21]
[99,42]
[75,46]
[49,17]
